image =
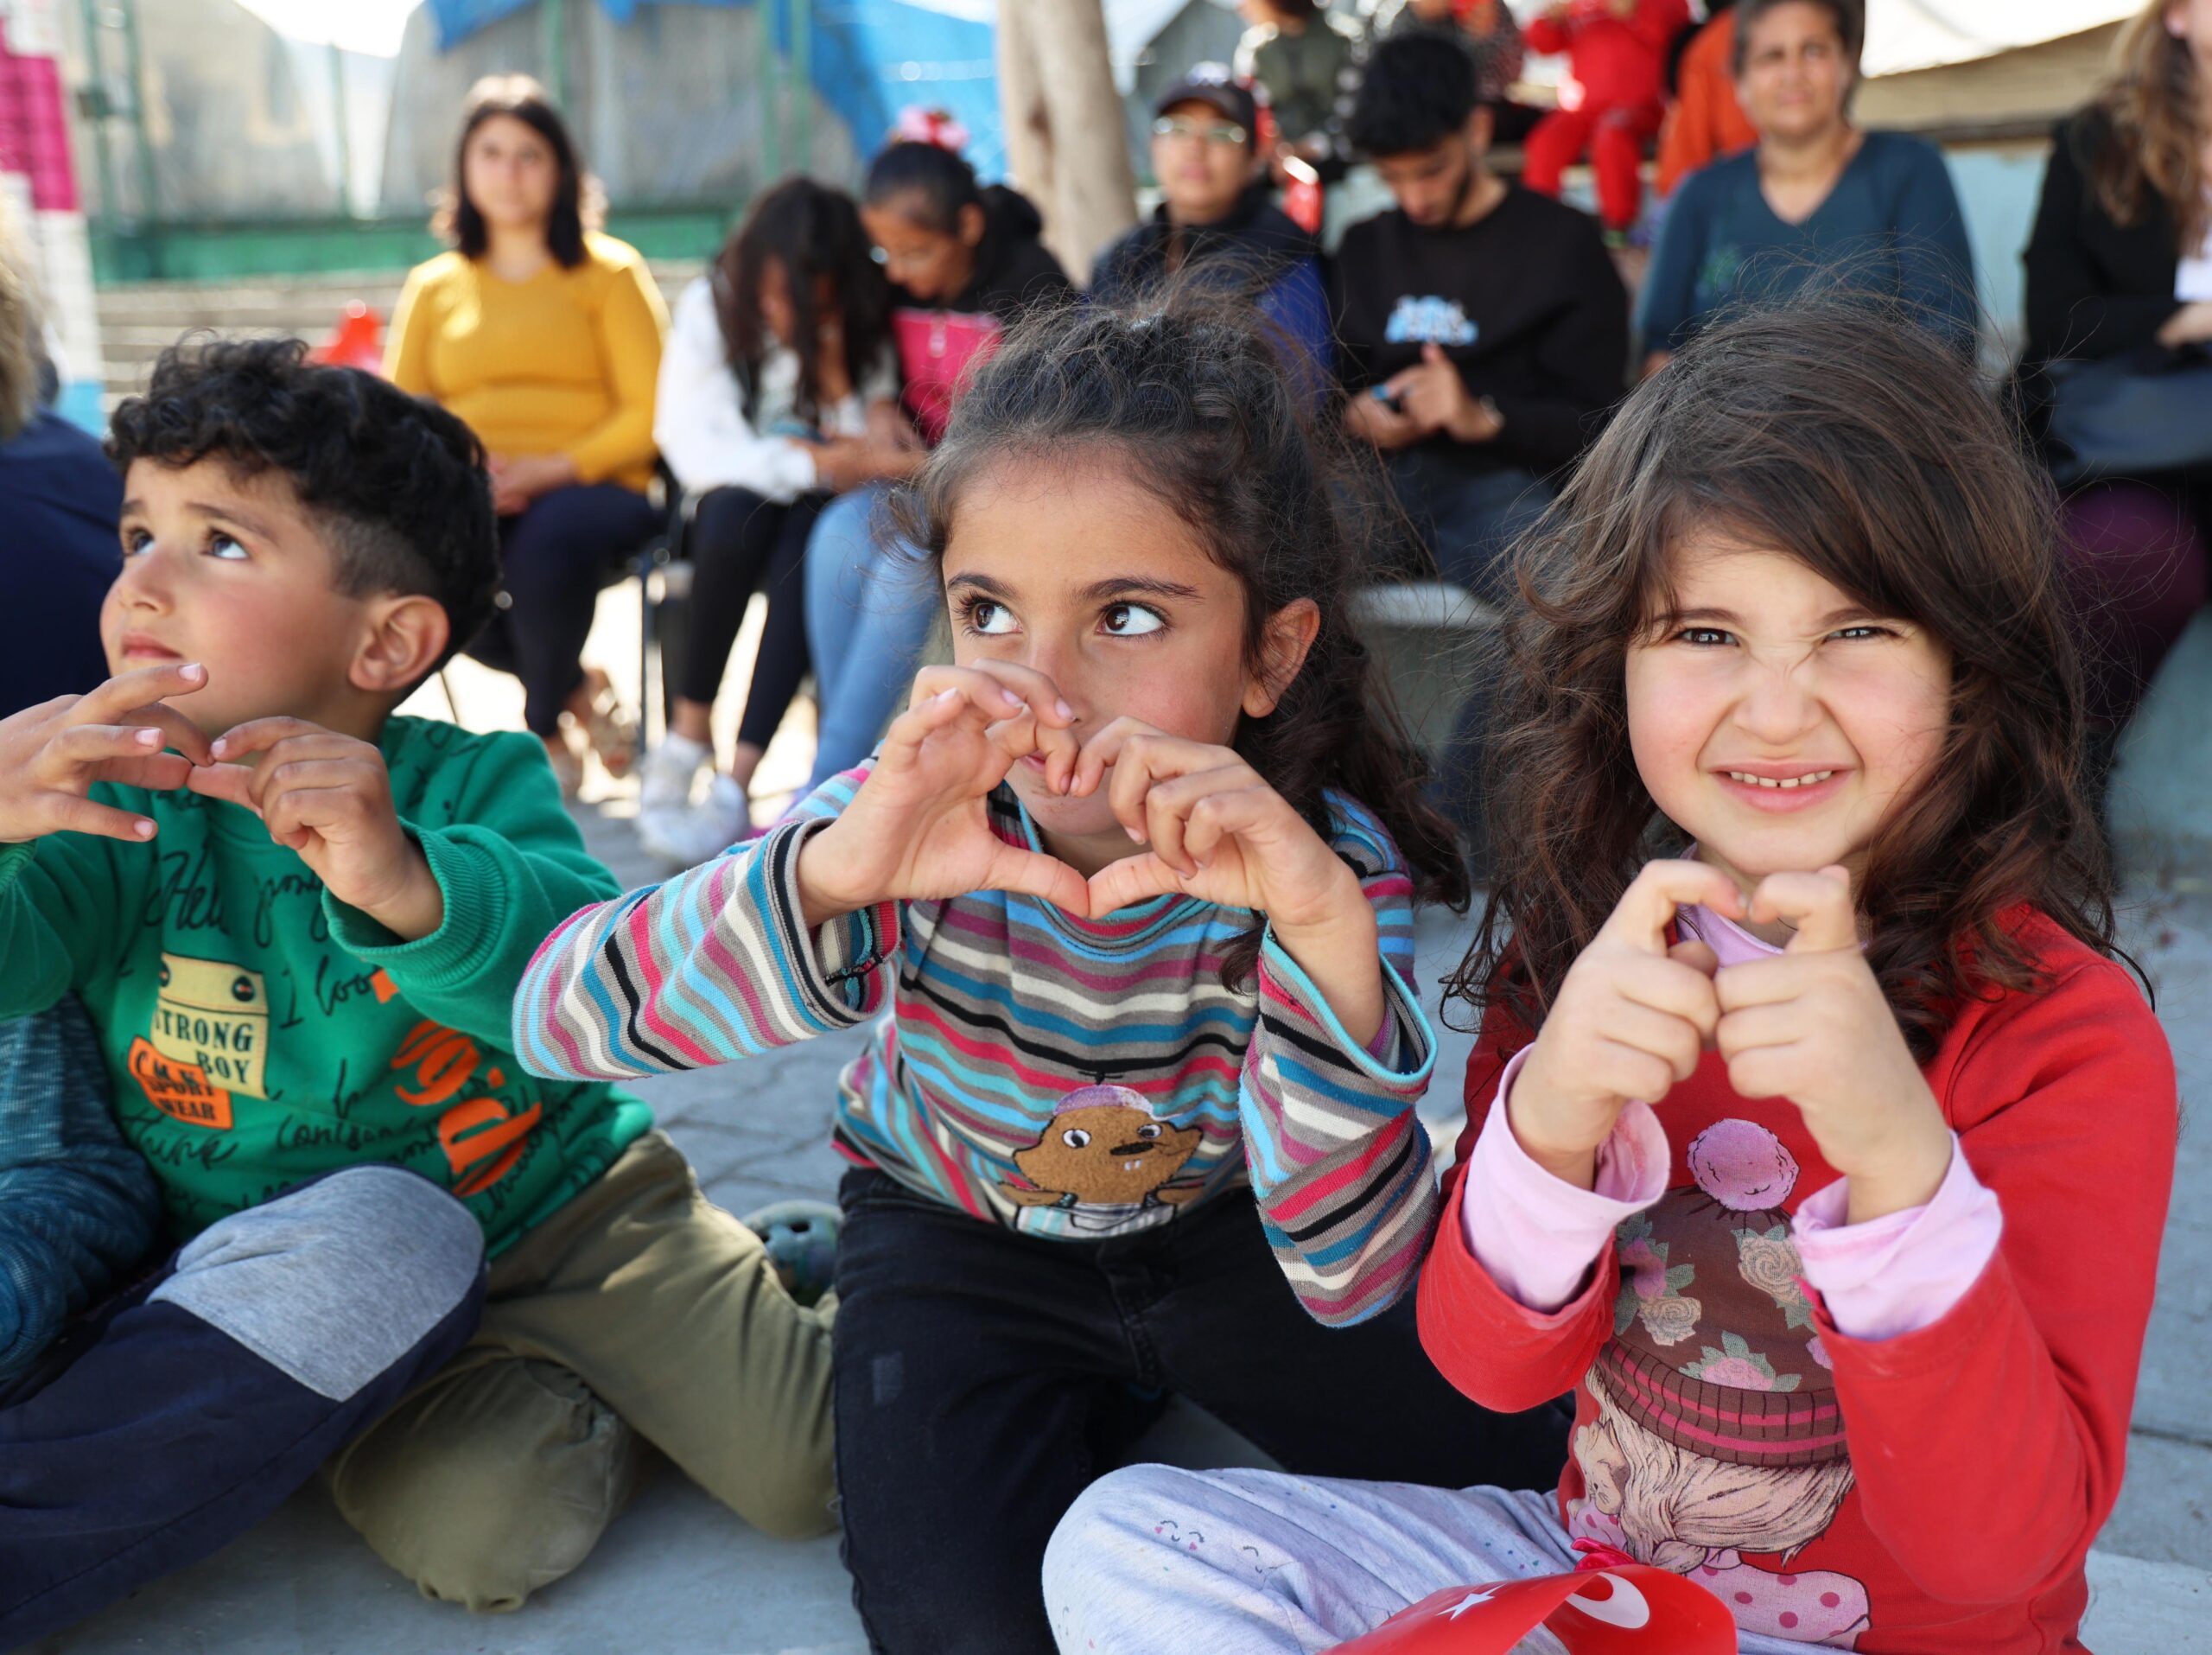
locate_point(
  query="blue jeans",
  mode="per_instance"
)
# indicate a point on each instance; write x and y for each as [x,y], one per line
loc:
[870,601]
[554,555]
[1468,521]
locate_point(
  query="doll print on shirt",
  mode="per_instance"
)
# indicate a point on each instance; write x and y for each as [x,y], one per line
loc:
[1717,1432]
[1102,1164]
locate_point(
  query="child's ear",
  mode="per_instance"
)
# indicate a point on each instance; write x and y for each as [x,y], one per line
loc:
[972,225]
[407,634]
[1289,634]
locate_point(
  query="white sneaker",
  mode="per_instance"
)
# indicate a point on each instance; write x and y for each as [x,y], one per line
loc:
[701,832]
[666,782]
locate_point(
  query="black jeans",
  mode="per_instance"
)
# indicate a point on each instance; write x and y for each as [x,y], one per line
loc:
[742,544]
[984,1377]
[554,555]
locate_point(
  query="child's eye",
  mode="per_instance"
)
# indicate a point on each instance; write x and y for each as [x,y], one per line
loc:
[987,618]
[1133,620]
[1705,637]
[1867,631]
[222,546]
[135,541]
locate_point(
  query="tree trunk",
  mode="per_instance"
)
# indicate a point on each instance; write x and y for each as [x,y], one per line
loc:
[1065,143]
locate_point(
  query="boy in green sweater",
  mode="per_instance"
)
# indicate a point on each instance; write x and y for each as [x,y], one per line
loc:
[297,921]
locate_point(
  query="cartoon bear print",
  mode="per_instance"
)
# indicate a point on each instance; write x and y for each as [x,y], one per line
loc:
[1102,1159]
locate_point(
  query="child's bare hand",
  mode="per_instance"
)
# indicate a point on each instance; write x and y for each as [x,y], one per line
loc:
[329,797]
[1631,1020]
[51,753]
[918,828]
[1812,1025]
[1215,829]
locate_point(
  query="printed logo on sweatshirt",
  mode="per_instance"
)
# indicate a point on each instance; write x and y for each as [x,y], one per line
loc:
[1429,321]
[181,1091]
[483,1137]
[213,1016]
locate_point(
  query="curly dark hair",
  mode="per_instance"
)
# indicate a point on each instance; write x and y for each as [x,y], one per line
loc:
[1857,443]
[813,233]
[396,484]
[1418,89]
[1194,394]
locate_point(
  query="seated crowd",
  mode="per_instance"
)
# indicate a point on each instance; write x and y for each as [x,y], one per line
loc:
[1782,783]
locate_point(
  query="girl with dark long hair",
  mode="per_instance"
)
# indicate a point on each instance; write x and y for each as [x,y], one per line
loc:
[1818,1139]
[544,335]
[779,391]
[1132,881]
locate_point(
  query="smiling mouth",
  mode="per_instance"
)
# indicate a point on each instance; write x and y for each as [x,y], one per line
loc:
[1811,777]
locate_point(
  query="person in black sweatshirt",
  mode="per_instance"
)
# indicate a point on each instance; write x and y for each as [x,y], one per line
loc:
[1483,330]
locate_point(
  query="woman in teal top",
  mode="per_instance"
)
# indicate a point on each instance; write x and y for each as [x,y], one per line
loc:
[1814,197]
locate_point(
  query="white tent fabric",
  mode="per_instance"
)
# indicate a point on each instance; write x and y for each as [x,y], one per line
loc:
[1907,34]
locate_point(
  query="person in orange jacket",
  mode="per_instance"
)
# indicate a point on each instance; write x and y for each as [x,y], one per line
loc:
[1611,102]
[1704,122]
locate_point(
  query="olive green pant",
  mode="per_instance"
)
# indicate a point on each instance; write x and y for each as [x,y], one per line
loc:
[639,1314]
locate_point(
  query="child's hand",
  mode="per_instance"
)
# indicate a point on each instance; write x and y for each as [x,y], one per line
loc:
[329,797]
[917,829]
[1631,1019]
[1811,1025]
[51,753]
[1216,831]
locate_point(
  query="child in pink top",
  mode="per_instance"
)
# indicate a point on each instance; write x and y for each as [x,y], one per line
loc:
[1817,1139]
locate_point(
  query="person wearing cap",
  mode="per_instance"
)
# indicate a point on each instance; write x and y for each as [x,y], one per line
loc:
[1215,222]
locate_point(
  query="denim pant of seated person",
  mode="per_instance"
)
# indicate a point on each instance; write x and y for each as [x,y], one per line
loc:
[639,1312]
[193,1404]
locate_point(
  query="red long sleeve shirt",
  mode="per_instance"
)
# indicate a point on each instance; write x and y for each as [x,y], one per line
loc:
[1612,62]
[1935,1492]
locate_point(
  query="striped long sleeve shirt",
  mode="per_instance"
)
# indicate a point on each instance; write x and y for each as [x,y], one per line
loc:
[1063,1077]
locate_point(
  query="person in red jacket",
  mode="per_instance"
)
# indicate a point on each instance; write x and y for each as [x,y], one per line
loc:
[1611,101]
[1817,1141]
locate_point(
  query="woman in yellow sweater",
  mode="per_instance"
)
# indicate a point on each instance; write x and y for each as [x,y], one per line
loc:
[545,337]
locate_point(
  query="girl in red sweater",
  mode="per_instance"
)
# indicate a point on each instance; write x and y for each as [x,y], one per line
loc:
[1791,846]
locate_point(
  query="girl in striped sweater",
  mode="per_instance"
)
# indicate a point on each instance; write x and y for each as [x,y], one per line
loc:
[1132,881]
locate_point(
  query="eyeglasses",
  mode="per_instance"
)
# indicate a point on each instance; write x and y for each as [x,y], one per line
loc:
[1221,132]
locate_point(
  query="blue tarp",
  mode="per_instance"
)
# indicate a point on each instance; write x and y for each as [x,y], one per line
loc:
[868,59]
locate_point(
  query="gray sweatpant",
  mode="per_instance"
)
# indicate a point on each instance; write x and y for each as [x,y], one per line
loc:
[1152,1560]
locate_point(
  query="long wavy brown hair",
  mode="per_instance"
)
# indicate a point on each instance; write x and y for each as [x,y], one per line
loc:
[1844,435]
[2156,141]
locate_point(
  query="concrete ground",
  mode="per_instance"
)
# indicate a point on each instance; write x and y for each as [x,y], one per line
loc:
[678,1573]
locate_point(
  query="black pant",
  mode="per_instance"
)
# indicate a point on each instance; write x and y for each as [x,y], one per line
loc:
[742,544]
[984,1377]
[554,554]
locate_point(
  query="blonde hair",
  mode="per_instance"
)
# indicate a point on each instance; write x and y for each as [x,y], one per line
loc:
[20,354]
[2152,104]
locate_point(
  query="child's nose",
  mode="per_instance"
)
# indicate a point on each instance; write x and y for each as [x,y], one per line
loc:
[1778,703]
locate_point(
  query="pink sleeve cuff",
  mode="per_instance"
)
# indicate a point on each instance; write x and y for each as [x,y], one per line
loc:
[1904,1271]
[1537,1235]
